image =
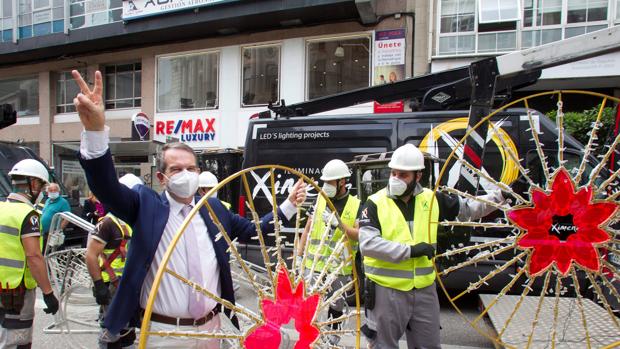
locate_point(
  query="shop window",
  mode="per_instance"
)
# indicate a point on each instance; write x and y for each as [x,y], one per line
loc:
[261,75]
[39,17]
[586,11]
[88,13]
[337,65]
[22,93]
[123,87]
[491,11]
[6,20]
[187,82]
[66,90]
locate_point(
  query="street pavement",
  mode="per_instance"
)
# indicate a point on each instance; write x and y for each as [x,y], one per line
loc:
[456,333]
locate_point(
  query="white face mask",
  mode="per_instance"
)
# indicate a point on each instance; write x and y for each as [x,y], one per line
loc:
[53,195]
[183,184]
[396,186]
[329,190]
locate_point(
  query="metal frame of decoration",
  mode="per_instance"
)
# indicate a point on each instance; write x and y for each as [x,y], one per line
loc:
[523,254]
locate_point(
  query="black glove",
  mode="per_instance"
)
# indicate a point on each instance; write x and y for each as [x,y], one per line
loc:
[51,302]
[101,293]
[422,249]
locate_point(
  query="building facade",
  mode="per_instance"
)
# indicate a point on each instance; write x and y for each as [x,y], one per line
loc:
[198,70]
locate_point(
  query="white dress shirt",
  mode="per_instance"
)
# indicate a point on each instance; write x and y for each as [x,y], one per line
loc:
[173,295]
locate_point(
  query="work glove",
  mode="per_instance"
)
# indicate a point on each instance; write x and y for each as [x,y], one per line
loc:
[422,249]
[101,293]
[329,219]
[51,302]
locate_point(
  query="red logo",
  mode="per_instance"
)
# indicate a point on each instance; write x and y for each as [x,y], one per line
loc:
[190,130]
[563,227]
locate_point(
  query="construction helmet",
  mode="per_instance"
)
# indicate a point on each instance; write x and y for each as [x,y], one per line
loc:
[130,180]
[207,180]
[30,168]
[407,158]
[335,169]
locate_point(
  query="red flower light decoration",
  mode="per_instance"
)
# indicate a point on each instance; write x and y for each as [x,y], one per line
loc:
[289,304]
[563,226]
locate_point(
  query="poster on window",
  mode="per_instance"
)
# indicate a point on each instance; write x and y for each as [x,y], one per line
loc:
[199,129]
[389,64]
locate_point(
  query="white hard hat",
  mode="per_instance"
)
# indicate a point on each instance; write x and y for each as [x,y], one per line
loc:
[31,168]
[130,180]
[335,169]
[407,158]
[207,180]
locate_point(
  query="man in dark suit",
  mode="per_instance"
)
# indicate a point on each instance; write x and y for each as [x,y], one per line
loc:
[155,219]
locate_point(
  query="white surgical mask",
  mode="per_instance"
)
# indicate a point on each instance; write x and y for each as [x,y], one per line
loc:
[397,186]
[183,184]
[53,195]
[330,190]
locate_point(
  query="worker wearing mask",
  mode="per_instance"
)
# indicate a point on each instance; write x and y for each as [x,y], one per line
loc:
[398,236]
[324,222]
[22,266]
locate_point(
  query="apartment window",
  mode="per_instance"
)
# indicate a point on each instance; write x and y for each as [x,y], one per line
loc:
[187,82]
[261,75]
[6,20]
[457,26]
[123,87]
[498,10]
[586,11]
[337,65]
[22,93]
[40,17]
[66,90]
[88,13]
[617,10]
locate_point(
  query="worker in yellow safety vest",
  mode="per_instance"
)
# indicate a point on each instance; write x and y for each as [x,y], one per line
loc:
[324,229]
[105,259]
[398,237]
[206,181]
[22,266]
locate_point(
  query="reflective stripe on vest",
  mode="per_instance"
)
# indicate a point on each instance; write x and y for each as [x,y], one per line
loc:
[413,272]
[226,204]
[118,264]
[348,217]
[13,266]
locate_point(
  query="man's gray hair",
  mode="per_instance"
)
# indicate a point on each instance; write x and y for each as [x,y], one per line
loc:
[161,163]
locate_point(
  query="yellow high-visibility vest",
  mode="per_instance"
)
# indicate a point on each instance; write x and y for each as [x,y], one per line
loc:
[118,264]
[13,265]
[414,272]
[348,217]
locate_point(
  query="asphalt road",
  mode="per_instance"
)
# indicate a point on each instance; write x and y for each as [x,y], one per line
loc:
[456,332]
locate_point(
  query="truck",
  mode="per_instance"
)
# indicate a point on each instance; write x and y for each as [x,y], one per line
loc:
[293,135]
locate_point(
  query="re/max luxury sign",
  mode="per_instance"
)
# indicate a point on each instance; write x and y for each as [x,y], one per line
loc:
[133,9]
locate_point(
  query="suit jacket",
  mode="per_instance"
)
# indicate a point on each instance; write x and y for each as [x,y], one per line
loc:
[147,213]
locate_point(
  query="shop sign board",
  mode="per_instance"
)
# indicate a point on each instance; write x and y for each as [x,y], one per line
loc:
[133,9]
[198,129]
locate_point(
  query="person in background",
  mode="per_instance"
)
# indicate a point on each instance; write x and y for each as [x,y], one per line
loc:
[93,209]
[323,222]
[54,204]
[206,182]
[105,258]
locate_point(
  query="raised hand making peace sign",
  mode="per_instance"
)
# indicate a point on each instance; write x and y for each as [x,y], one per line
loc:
[89,103]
